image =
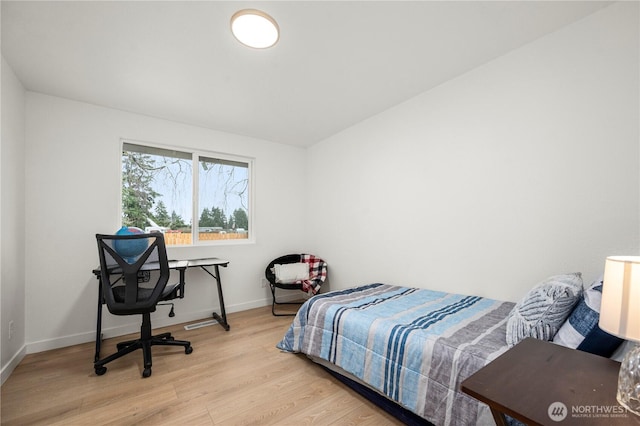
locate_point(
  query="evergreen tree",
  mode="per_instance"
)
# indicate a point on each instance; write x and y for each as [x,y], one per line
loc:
[241,219]
[177,221]
[206,220]
[162,215]
[218,218]
[137,195]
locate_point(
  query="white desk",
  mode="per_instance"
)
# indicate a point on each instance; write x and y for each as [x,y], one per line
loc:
[180,266]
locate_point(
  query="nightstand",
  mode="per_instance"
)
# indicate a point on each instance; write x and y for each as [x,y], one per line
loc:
[541,383]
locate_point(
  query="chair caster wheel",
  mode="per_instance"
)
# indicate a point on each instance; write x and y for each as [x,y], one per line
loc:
[188,350]
[146,372]
[100,370]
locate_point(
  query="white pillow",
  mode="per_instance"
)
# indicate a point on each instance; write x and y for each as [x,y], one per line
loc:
[290,273]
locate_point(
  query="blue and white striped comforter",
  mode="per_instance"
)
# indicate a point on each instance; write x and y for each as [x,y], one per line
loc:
[413,345]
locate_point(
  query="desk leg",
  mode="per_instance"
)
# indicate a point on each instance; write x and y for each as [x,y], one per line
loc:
[222,310]
[222,320]
[181,286]
[499,418]
[99,322]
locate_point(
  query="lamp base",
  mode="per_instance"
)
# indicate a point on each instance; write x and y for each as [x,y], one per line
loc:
[629,381]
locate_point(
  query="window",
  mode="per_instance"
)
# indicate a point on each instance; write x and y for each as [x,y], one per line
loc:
[161,191]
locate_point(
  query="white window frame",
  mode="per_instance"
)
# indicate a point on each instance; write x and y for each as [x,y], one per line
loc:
[196,154]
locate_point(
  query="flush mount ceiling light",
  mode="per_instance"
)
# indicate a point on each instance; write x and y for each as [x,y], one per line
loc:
[254,28]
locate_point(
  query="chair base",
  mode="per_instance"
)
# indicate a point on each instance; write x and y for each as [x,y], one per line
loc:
[275,302]
[273,308]
[145,342]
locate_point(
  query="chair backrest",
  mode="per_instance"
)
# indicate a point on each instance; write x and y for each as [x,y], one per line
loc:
[126,261]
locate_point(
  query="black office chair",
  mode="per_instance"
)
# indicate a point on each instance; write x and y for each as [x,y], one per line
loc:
[127,263]
[316,276]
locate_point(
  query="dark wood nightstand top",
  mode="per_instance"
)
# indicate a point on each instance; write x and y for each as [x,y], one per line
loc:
[528,379]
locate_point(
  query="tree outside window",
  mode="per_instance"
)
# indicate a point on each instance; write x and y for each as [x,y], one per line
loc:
[157,194]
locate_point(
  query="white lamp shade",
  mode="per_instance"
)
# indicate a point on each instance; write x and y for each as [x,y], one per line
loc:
[620,308]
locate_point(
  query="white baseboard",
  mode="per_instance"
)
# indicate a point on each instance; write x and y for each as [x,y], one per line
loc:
[76,339]
[12,364]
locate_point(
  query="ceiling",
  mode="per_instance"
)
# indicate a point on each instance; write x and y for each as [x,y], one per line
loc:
[336,64]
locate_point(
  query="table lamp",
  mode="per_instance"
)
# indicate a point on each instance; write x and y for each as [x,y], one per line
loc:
[620,315]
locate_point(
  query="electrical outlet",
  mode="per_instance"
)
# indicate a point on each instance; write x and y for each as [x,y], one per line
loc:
[264,282]
[12,329]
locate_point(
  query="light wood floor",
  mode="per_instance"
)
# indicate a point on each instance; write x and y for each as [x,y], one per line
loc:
[234,377]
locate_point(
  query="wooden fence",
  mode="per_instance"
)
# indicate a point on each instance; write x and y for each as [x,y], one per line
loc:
[183,238]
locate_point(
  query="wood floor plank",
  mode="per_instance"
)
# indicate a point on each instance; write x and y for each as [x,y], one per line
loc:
[231,378]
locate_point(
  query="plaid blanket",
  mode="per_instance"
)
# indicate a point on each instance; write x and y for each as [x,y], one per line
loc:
[317,273]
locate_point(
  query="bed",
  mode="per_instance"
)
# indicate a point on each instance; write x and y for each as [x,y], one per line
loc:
[409,349]
[412,346]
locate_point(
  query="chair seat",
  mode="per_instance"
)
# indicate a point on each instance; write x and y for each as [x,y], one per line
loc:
[294,286]
[143,293]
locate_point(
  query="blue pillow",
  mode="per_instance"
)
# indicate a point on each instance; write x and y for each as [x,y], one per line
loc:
[581,330]
[600,342]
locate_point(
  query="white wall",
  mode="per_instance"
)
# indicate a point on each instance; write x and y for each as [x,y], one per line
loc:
[12,248]
[73,192]
[525,167]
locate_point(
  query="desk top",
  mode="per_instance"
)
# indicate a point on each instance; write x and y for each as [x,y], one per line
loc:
[209,261]
[528,381]
[179,264]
